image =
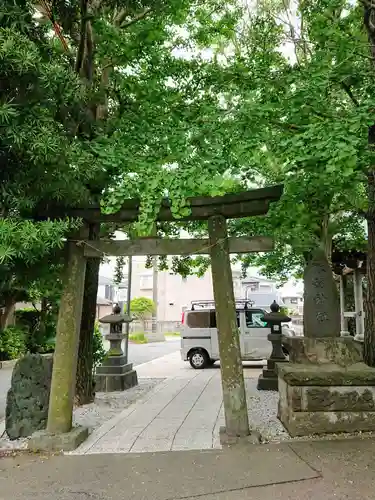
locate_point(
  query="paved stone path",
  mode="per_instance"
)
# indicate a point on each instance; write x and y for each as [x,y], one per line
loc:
[182,413]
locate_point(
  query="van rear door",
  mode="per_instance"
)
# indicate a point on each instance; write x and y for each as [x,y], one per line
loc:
[254,332]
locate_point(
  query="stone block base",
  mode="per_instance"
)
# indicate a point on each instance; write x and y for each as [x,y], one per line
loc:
[267,383]
[268,380]
[342,351]
[325,399]
[67,441]
[112,382]
[229,440]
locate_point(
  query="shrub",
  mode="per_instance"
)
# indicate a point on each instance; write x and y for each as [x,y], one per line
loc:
[284,310]
[97,348]
[39,337]
[28,318]
[12,343]
[49,346]
[138,338]
[142,308]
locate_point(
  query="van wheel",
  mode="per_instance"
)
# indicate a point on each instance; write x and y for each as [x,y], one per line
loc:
[199,359]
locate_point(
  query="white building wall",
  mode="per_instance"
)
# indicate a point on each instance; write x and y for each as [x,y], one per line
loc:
[101,291]
[176,293]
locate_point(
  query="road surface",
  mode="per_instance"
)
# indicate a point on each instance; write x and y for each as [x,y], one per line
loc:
[5,376]
[142,353]
[138,354]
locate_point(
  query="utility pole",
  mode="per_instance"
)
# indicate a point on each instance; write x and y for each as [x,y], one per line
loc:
[155,294]
[155,262]
[128,301]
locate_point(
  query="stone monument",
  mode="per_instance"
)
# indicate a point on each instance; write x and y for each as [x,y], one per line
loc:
[115,373]
[325,387]
[268,380]
[28,397]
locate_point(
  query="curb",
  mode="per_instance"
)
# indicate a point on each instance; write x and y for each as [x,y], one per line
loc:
[8,364]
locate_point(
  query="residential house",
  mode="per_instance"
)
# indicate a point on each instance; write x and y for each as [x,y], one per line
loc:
[261,291]
[108,294]
[294,303]
[175,293]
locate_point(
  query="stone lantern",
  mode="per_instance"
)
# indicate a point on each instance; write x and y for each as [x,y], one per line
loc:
[268,380]
[115,373]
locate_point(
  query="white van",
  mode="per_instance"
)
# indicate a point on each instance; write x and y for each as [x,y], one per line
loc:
[199,336]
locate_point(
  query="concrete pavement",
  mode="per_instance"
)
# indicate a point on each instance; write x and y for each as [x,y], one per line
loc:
[329,470]
[184,412]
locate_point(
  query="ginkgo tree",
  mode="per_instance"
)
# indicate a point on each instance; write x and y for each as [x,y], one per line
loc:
[146,125]
[302,119]
[297,83]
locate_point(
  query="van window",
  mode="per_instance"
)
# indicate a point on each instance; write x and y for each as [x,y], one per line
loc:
[213,319]
[254,319]
[198,319]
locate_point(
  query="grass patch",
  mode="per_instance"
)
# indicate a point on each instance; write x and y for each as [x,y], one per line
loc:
[172,334]
[138,338]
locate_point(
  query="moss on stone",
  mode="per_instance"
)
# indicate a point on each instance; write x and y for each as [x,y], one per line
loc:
[357,374]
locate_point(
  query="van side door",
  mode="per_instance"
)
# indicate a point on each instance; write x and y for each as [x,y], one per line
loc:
[214,334]
[197,332]
[255,332]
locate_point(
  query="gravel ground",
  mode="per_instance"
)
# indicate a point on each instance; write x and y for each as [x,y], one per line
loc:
[93,415]
[107,405]
[262,408]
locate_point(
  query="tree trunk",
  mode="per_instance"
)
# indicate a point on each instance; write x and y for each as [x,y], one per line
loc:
[6,315]
[369,337]
[43,320]
[84,379]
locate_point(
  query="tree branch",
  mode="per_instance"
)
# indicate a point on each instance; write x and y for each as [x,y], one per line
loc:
[135,19]
[288,126]
[82,38]
[349,92]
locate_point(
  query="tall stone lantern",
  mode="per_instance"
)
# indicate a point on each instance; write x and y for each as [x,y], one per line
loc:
[115,373]
[268,380]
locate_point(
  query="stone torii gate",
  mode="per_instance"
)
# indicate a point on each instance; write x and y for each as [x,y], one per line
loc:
[216,210]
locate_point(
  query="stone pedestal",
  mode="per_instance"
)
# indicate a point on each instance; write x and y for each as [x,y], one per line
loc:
[66,441]
[115,374]
[326,388]
[268,380]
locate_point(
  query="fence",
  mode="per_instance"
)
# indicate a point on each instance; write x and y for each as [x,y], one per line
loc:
[162,326]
